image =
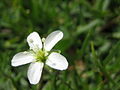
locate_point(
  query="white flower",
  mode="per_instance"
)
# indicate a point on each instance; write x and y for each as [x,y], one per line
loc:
[39,55]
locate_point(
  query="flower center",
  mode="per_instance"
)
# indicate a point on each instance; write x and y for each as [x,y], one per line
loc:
[41,56]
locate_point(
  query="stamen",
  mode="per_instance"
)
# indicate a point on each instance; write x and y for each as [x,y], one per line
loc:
[43,40]
[40,56]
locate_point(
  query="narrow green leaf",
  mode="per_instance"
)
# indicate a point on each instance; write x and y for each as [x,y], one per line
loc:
[111,54]
[95,58]
[86,43]
[84,28]
[100,66]
[105,4]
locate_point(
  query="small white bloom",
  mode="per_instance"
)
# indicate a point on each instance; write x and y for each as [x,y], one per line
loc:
[39,55]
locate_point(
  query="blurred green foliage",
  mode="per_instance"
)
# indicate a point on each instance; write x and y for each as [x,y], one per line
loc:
[91,42]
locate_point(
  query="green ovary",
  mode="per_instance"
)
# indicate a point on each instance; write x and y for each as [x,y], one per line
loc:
[40,56]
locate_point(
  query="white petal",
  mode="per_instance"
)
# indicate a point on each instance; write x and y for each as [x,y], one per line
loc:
[22,58]
[52,39]
[34,72]
[57,61]
[34,41]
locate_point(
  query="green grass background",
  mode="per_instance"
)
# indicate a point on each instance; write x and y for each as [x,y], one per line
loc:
[91,42]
